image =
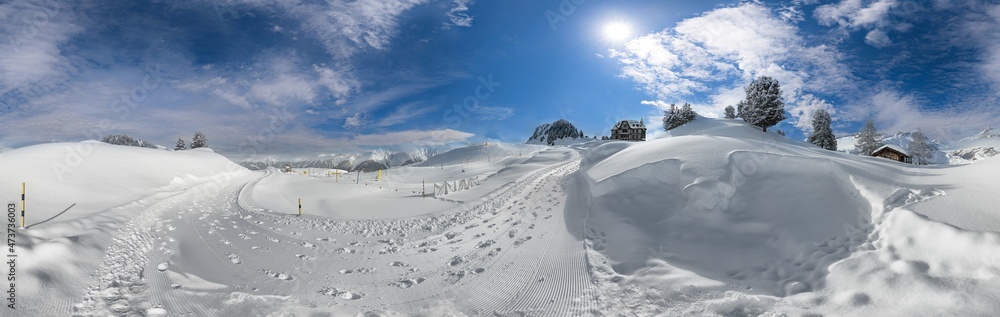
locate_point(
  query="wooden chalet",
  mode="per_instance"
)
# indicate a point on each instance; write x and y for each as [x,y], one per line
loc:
[894,153]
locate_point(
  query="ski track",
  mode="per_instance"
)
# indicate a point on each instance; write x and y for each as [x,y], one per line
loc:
[509,253]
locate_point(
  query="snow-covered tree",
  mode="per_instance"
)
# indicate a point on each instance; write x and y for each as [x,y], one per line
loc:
[868,139]
[198,140]
[822,135]
[121,139]
[675,117]
[763,106]
[730,112]
[920,148]
[180,145]
[780,132]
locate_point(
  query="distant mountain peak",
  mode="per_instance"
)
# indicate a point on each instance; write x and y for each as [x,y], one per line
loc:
[552,132]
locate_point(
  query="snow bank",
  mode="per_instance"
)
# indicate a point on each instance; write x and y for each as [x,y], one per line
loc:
[727,209]
[96,176]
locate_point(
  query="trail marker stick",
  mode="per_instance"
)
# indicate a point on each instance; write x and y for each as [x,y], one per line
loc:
[22,205]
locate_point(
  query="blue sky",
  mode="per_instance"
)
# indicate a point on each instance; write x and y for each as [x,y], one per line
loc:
[297,77]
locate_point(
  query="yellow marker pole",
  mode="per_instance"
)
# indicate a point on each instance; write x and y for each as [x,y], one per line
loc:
[22,205]
[300,206]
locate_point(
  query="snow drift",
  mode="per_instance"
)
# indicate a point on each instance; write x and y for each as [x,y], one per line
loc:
[754,217]
[96,176]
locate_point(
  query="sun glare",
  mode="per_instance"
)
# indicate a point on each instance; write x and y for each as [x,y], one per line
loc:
[617,31]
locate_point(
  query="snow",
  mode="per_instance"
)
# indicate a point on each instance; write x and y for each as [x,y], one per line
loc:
[763,224]
[967,150]
[713,218]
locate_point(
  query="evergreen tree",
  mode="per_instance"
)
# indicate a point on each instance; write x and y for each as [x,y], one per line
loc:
[780,132]
[180,145]
[868,139]
[920,149]
[675,117]
[763,106]
[730,112]
[687,114]
[121,139]
[670,117]
[822,135]
[198,140]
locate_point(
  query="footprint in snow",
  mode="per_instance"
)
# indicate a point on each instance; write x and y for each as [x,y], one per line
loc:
[407,283]
[340,294]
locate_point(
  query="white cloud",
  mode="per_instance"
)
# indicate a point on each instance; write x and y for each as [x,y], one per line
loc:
[878,38]
[713,55]
[458,15]
[31,40]
[283,89]
[405,112]
[854,14]
[338,83]
[344,27]
[896,111]
[414,137]
[357,121]
[802,111]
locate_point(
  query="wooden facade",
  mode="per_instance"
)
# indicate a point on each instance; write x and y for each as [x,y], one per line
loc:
[629,130]
[892,153]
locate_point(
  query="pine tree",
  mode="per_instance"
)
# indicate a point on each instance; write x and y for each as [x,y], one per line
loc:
[687,114]
[180,145]
[198,140]
[868,139]
[675,117]
[763,106]
[670,118]
[920,149]
[730,112]
[822,135]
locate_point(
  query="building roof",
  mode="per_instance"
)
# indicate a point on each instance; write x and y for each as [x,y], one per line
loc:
[891,147]
[632,124]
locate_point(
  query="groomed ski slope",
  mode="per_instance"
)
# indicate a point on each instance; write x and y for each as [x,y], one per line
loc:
[717,218]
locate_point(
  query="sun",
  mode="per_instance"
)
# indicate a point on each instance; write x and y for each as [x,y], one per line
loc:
[617,31]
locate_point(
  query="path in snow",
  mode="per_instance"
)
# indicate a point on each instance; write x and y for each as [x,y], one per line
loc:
[204,252]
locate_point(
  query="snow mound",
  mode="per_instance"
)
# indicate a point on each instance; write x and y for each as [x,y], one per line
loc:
[96,176]
[485,152]
[725,201]
[723,208]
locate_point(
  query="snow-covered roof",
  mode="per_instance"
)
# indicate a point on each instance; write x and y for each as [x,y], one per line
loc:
[892,147]
[632,124]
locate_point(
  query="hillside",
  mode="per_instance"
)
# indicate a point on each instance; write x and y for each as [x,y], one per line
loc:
[720,212]
[716,218]
[559,132]
[981,146]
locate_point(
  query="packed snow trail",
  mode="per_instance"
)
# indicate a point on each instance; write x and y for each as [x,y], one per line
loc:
[206,252]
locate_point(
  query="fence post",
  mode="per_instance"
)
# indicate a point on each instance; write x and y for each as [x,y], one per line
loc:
[22,205]
[300,206]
